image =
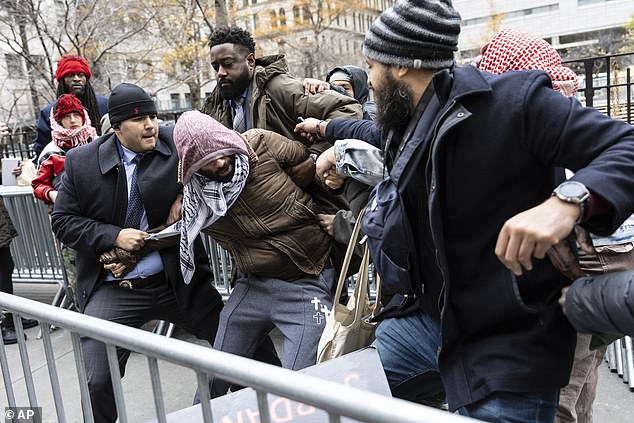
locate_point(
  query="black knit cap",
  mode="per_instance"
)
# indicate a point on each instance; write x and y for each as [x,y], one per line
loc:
[127,101]
[420,34]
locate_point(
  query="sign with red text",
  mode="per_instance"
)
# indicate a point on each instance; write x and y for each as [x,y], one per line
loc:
[361,369]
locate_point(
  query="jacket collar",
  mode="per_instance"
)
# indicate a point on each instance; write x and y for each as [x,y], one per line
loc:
[464,81]
[109,157]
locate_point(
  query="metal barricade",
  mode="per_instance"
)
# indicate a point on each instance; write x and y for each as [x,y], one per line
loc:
[337,400]
[35,252]
[620,359]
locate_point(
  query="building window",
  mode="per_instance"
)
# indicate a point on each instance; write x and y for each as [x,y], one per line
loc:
[273,19]
[514,14]
[14,65]
[296,18]
[587,2]
[245,3]
[175,100]
[255,22]
[282,14]
[306,14]
[188,100]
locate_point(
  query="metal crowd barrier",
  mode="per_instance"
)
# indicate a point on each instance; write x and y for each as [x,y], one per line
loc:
[37,258]
[337,400]
[620,359]
[34,251]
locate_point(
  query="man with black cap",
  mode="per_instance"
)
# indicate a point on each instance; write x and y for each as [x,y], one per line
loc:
[113,191]
[460,228]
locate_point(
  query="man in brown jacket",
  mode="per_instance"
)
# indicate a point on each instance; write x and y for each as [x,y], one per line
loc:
[260,93]
[236,190]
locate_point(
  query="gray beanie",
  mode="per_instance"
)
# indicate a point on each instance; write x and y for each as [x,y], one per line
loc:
[420,34]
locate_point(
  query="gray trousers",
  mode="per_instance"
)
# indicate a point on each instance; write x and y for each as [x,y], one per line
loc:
[130,307]
[257,305]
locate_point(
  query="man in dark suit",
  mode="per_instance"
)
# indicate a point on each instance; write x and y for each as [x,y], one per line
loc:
[114,190]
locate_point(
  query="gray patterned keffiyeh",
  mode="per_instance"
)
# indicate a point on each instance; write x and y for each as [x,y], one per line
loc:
[204,202]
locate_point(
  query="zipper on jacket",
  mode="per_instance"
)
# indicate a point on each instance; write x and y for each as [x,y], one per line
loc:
[432,188]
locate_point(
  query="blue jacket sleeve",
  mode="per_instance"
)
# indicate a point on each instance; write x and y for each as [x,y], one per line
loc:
[602,304]
[102,101]
[343,128]
[43,130]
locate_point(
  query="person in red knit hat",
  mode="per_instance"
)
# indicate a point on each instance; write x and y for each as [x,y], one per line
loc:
[73,76]
[71,127]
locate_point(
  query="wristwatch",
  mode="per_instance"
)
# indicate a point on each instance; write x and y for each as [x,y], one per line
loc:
[576,193]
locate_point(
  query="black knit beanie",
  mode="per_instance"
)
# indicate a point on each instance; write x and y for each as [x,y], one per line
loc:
[420,34]
[127,101]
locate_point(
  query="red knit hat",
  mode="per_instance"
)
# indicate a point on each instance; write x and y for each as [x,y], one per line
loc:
[71,63]
[66,104]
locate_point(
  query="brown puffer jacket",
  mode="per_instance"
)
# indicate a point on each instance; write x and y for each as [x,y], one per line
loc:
[7,230]
[276,100]
[271,230]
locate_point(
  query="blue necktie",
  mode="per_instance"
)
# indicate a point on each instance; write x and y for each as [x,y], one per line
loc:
[239,120]
[135,202]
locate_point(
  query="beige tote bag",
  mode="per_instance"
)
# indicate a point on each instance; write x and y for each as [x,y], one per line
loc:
[348,327]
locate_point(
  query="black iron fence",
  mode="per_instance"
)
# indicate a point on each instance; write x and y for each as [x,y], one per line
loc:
[606,83]
[18,143]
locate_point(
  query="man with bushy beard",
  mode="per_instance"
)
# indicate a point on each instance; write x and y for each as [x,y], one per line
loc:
[73,77]
[473,177]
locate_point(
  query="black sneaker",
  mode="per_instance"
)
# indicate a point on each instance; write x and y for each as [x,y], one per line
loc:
[29,323]
[9,336]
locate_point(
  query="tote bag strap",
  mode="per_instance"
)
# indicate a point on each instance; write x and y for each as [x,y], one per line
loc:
[374,308]
[349,253]
[360,298]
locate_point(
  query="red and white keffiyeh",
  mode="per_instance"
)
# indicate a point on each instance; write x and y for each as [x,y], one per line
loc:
[511,50]
[69,138]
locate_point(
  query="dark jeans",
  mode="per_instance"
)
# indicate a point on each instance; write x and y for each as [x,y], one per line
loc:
[408,347]
[515,407]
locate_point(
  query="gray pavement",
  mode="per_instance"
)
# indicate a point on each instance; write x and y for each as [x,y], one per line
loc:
[614,403]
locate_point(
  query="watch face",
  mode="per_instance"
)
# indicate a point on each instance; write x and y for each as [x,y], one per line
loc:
[572,191]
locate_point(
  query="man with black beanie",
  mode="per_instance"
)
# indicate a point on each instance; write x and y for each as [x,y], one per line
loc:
[115,189]
[474,194]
